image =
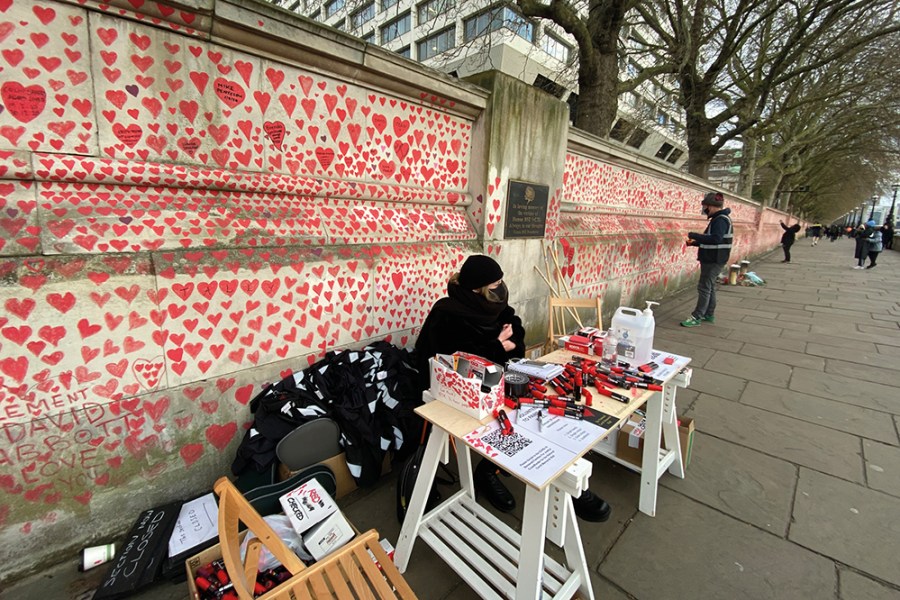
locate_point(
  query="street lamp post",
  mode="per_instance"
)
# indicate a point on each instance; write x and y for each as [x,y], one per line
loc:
[890,218]
[872,212]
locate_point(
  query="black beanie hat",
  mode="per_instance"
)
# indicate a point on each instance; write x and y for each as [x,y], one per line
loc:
[478,271]
[714,199]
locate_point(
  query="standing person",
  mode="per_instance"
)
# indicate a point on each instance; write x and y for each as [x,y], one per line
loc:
[713,250]
[860,251]
[787,239]
[887,235]
[816,231]
[476,318]
[874,243]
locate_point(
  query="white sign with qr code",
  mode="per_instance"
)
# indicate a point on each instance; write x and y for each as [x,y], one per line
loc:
[528,456]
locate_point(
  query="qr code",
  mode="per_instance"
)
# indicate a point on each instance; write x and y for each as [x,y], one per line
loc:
[509,445]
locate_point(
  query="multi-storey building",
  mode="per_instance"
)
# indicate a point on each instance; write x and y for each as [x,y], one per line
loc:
[463,37]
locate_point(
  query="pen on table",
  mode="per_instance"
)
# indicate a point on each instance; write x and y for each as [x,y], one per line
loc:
[540,420]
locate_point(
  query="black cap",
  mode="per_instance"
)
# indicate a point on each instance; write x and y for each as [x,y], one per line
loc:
[478,271]
[714,199]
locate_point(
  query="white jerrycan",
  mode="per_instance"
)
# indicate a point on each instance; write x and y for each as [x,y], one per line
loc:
[635,330]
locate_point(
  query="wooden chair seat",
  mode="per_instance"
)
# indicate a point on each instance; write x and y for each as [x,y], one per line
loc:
[346,574]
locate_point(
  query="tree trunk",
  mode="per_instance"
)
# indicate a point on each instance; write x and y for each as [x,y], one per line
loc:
[748,168]
[700,154]
[597,102]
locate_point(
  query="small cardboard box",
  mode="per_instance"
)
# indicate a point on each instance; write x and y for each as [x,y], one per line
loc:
[465,394]
[307,505]
[193,563]
[343,479]
[630,442]
[578,343]
[329,535]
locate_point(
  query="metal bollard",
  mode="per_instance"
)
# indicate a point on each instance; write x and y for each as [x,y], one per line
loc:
[733,274]
[745,266]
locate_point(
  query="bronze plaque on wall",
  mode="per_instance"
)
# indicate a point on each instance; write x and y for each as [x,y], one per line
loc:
[526,210]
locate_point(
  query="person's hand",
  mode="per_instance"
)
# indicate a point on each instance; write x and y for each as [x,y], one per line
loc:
[508,346]
[505,333]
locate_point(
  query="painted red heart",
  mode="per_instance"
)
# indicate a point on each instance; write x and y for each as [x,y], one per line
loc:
[23,103]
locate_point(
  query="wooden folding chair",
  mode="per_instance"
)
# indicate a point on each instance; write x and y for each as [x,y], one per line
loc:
[568,314]
[345,574]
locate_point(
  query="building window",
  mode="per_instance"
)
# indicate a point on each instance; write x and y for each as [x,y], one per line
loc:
[556,48]
[548,85]
[369,38]
[362,16]
[339,24]
[572,101]
[620,130]
[332,8]
[434,8]
[437,43]
[404,52]
[673,158]
[497,18]
[631,69]
[663,151]
[314,15]
[395,29]
[386,4]
[662,118]
[637,138]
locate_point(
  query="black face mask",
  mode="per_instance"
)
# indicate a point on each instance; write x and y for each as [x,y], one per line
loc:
[500,294]
[705,210]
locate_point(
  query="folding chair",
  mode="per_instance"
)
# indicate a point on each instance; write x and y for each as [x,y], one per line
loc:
[345,574]
[568,314]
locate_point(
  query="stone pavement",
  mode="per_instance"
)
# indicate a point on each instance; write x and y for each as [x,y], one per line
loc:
[794,487]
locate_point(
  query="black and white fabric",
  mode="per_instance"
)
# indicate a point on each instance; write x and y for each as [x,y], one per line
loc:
[370,393]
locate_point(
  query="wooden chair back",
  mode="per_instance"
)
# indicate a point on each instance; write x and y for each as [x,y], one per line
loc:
[345,574]
[568,314]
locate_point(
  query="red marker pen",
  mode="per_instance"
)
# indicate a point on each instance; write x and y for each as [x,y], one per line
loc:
[506,427]
[571,413]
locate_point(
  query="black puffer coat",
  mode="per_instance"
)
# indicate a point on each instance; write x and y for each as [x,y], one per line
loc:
[465,321]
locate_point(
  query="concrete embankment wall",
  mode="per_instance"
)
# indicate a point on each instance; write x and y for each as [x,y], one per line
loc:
[198,198]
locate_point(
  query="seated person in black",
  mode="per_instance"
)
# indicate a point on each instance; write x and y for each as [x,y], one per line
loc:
[475,318]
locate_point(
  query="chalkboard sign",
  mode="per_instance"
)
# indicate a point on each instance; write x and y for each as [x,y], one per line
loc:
[143,552]
[526,210]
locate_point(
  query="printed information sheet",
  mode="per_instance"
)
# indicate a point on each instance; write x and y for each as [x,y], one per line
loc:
[539,447]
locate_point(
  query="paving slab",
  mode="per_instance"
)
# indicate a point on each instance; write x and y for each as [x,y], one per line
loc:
[799,442]
[706,334]
[890,350]
[843,389]
[768,341]
[740,482]
[776,323]
[698,552]
[847,522]
[753,369]
[879,374]
[882,467]
[785,357]
[670,342]
[859,315]
[853,586]
[717,384]
[838,341]
[869,356]
[864,422]
[879,333]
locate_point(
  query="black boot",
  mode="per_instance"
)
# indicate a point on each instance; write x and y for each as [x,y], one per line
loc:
[489,485]
[591,508]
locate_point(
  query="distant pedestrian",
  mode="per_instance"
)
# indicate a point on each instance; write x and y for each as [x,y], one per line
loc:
[816,231]
[873,243]
[787,239]
[887,235]
[713,250]
[860,250]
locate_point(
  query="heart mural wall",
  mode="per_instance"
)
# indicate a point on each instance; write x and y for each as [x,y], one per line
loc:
[182,222]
